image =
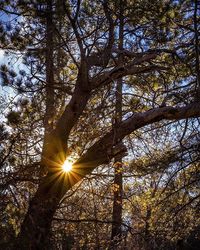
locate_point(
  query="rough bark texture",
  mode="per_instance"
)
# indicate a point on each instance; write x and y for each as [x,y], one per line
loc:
[36,225]
[118,185]
[53,187]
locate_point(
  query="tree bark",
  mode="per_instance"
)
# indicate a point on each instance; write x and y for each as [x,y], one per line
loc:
[118,179]
[49,87]
[36,226]
[37,223]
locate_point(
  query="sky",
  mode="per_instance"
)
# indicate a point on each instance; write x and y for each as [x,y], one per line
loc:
[2,57]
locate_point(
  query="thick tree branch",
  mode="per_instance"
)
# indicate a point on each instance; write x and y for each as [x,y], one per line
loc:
[57,141]
[82,90]
[124,70]
[105,149]
[101,152]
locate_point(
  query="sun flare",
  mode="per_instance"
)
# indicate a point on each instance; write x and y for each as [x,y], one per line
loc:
[67,166]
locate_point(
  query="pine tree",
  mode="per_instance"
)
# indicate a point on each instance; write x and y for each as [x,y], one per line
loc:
[71,62]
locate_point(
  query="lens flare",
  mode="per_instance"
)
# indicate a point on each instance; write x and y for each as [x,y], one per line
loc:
[67,166]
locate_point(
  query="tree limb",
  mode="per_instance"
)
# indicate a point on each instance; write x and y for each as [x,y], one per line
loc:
[101,152]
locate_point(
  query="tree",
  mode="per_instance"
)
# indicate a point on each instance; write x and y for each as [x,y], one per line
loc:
[118,160]
[71,62]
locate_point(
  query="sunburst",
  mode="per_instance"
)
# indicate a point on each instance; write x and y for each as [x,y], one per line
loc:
[67,166]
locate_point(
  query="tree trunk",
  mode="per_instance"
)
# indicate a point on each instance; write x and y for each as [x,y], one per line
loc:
[118,185]
[37,223]
[117,202]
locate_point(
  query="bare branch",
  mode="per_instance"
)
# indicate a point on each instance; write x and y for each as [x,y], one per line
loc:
[100,152]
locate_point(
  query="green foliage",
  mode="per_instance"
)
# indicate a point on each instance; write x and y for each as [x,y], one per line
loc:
[13,118]
[161,170]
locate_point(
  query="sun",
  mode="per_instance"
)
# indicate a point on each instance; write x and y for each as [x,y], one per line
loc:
[67,166]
